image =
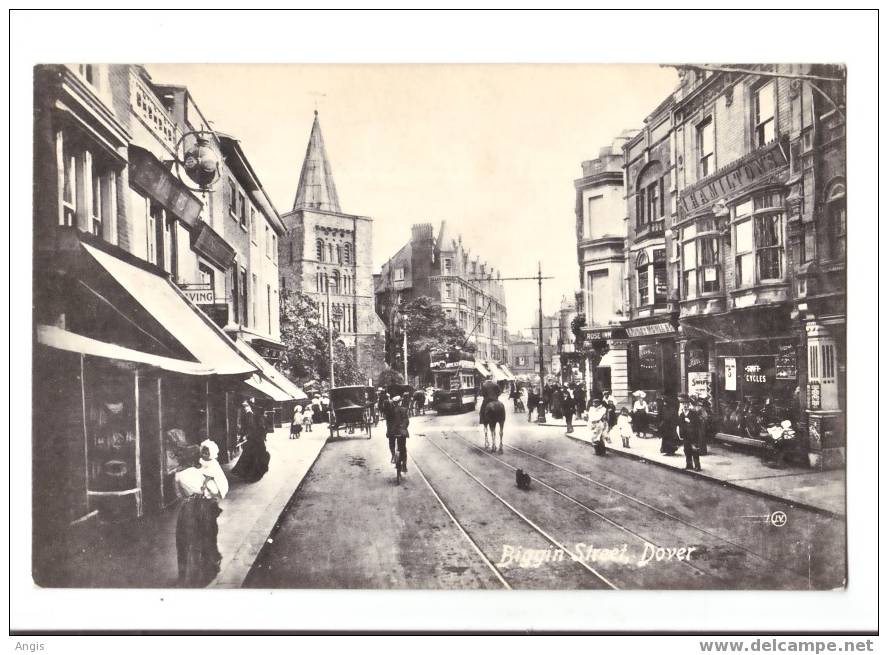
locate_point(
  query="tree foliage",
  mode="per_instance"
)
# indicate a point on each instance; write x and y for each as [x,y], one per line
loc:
[389,376]
[307,346]
[428,330]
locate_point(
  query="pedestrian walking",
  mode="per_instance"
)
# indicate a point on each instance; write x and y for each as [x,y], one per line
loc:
[296,423]
[197,530]
[568,406]
[533,400]
[254,458]
[579,400]
[419,401]
[688,430]
[702,407]
[640,414]
[669,441]
[316,408]
[598,426]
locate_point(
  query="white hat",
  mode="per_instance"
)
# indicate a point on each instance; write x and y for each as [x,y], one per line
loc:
[396,398]
[786,424]
[639,394]
[211,448]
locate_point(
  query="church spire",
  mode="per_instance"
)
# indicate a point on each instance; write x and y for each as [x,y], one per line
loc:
[316,189]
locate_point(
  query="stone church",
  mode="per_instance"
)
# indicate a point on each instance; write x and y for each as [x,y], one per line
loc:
[327,254]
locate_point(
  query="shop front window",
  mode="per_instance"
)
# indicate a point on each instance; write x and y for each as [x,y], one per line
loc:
[110,425]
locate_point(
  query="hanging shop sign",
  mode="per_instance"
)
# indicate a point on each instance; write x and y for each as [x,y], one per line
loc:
[786,363]
[649,330]
[148,173]
[700,384]
[730,374]
[199,294]
[734,178]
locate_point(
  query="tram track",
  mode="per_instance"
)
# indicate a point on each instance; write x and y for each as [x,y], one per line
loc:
[734,544]
[587,508]
[565,555]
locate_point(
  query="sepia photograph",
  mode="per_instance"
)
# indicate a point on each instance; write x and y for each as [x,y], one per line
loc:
[439,326]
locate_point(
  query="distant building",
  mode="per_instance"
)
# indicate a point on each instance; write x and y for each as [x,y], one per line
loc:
[468,289]
[328,254]
[601,243]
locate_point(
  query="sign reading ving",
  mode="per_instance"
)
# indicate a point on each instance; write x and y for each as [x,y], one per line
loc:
[199,294]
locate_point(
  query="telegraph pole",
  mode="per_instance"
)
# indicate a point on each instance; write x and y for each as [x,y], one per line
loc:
[541,413]
[539,278]
[405,352]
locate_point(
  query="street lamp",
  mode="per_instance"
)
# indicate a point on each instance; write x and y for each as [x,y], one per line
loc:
[199,160]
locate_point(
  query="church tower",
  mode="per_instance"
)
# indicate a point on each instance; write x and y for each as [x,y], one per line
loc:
[327,254]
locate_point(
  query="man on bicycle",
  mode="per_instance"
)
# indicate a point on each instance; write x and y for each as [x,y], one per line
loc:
[396,429]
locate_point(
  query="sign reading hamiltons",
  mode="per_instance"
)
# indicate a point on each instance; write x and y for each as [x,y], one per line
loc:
[739,175]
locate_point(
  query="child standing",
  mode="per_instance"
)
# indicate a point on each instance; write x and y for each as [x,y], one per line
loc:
[296,425]
[624,426]
[307,419]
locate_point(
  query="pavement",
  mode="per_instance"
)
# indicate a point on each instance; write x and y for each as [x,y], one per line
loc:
[822,491]
[141,553]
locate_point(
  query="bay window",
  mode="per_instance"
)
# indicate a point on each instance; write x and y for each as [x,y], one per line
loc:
[689,262]
[769,246]
[758,240]
[651,277]
[743,266]
[836,223]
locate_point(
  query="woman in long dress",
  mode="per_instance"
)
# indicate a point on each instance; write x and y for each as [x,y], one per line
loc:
[202,487]
[254,459]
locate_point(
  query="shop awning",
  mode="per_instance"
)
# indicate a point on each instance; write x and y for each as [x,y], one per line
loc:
[263,386]
[55,337]
[496,371]
[206,342]
[481,369]
[509,374]
[270,372]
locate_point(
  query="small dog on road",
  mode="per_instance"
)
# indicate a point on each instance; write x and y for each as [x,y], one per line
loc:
[522,479]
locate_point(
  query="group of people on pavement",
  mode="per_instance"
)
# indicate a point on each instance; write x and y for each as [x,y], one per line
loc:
[686,423]
[560,400]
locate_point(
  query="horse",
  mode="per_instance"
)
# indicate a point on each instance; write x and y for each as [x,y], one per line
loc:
[494,413]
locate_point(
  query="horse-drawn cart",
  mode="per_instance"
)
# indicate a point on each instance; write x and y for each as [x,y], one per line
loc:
[349,411]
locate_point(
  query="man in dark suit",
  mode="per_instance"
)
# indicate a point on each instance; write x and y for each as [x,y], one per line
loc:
[688,430]
[396,426]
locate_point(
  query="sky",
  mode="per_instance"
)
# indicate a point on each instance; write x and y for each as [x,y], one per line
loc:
[492,149]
